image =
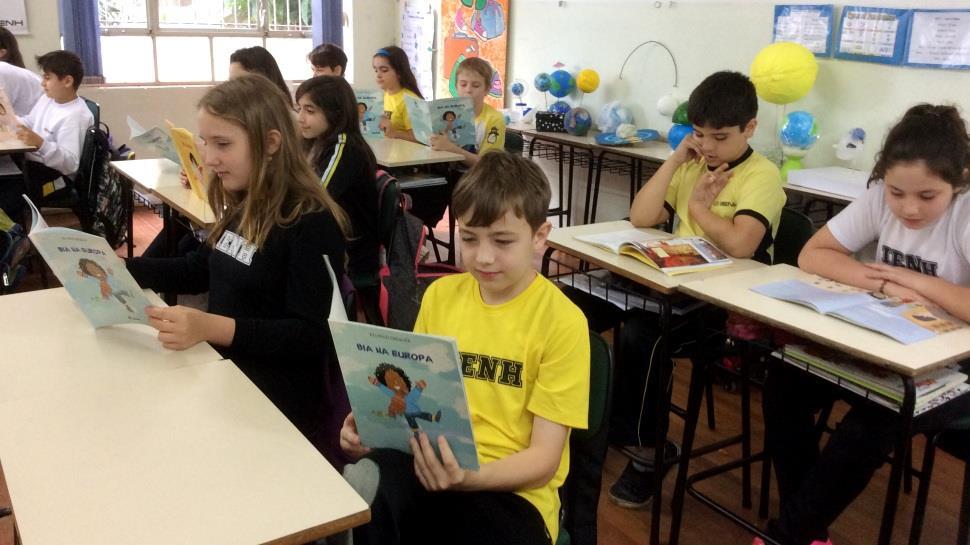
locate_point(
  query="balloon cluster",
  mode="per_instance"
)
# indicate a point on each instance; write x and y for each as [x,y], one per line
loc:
[561,84]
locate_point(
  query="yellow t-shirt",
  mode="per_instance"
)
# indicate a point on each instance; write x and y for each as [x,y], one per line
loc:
[489,130]
[524,358]
[397,110]
[755,189]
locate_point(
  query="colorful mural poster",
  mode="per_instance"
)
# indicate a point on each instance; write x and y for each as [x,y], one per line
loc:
[474,28]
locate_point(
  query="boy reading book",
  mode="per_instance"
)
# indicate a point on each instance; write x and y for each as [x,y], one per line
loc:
[525,359]
[720,189]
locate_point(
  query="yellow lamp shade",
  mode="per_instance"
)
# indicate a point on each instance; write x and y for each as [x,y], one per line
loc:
[588,80]
[783,72]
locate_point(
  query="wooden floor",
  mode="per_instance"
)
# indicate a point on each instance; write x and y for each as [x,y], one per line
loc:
[858,526]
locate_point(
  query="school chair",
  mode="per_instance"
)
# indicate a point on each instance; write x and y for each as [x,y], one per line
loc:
[587,451]
[955,440]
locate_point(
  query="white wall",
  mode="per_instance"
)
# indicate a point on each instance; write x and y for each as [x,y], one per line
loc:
[373,24]
[45,34]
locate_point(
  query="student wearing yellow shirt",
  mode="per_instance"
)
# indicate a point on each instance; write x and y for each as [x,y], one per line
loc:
[474,79]
[393,74]
[525,359]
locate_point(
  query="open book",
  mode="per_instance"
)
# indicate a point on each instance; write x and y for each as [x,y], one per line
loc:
[8,118]
[670,255]
[370,111]
[904,321]
[155,138]
[190,158]
[91,272]
[400,383]
[452,117]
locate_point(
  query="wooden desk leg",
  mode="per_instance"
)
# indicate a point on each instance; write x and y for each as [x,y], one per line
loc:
[662,407]
[903,439]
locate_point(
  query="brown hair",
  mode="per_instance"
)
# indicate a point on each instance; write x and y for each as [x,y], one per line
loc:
[335,98]
[479,66]
[257,60]
[282,186]
[9,42]
[399,62]
[500,182]
[936,135]
[328,55]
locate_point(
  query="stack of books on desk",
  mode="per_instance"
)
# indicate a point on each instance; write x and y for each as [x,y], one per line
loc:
[879,385]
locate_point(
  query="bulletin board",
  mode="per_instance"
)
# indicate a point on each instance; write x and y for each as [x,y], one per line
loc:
[474,28]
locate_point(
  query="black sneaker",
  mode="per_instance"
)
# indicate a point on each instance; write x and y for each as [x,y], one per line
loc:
[634,488]
[645,456]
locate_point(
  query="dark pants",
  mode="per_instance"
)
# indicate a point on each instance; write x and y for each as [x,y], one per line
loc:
[815,487]
[185,243]
[403,512]
[13,186]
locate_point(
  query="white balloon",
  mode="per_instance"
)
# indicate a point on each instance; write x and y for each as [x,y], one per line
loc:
[667,105]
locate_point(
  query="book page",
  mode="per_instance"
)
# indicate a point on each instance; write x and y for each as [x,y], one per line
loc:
[454,118]
[614,239]
[421,124]
[400,383]
[822,294]
[906,322]
[8,119]
[682,255]
[155,138]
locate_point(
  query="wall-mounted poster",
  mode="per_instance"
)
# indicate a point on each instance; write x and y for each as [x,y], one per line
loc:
[808,25]
[474,28]
[873,34]
[13,16]
[940,39]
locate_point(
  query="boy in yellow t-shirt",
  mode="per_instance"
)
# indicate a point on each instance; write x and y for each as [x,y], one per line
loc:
[474,79]
[718,188]
[525,359]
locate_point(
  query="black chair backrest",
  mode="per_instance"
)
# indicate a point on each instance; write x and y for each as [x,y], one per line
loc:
[389,206]
[794,230]
[95,110]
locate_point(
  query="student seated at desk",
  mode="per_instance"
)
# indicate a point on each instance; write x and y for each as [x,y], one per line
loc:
[269,291]
[21,85]
[257,60]
[474,81]
[328,60]
[393,74]
[501,310]
[918,212]
[719,188]
[347,168]
[55,126]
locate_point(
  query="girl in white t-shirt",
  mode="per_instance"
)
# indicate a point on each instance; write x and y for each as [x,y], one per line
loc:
[917,211]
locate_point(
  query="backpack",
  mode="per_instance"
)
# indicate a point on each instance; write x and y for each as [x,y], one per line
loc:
[103,205]
[404,277]
[13,248]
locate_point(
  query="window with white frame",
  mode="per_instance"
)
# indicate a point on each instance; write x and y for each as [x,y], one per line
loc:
[190,41]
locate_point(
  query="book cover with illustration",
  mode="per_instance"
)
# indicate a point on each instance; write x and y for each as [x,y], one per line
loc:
[8,118]
[190,158]
[91,272]
[370,111]
[452,117]
[906,321]
[401,383]
[155,138]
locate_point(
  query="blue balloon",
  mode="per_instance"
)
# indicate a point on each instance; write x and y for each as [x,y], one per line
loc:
[518,89]
[562,83]
[578,121]
[559,107]
[799,130]
[677,133]
[543,82]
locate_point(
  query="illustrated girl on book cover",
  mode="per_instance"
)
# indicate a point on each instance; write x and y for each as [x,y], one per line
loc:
[394,382]
[88,268]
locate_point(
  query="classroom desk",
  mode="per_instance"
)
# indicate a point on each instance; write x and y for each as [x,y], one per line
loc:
[50,346]
[190,455]
[664,286]
[11,146]
[394,152]
[732,292]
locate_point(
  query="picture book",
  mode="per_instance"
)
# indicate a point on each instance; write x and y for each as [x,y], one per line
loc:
[906,322]
[452,117]
[370,111]
[8,119]
[155,138]
[670,255]
[91,272]
[190,158]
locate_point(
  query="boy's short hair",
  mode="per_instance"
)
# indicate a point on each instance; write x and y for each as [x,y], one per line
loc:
[62,64]
[500,182]
[478,66]
[723,99]
[328,55]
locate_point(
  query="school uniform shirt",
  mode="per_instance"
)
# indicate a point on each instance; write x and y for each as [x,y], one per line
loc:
[279,296]
[524,358]
[941,249]
[343,173]
[489,130]
[755,189]
[62,126]
[397,110]
[22,87]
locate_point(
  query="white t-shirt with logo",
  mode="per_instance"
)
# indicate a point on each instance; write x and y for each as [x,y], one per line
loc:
[941,249]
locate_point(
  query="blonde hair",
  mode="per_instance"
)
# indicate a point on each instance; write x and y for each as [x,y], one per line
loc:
[282,186]
[478,66]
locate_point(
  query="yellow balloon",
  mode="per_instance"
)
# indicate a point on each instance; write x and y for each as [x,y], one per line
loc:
[783,72]
[588,80]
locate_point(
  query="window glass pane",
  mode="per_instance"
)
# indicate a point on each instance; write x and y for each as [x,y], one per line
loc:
[289,15]
[122,14]
[183,58]
[290,54]
[222,48]
[127,59]
[224,14]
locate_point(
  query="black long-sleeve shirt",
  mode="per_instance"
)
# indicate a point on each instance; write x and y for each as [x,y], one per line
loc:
[280,298]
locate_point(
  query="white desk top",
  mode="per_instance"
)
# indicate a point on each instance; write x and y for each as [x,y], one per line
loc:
[394,152]
[733,292]
[563,239]
[184,200]
[49,346]
[191,455]
[9,143]
[838,184]
[653,150]
[149,173]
